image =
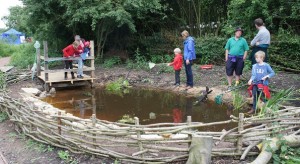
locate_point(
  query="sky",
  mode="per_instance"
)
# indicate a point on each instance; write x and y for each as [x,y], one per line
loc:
[4,5]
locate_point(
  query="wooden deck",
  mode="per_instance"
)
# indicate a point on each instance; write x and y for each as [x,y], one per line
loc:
[55,77]
[58,77]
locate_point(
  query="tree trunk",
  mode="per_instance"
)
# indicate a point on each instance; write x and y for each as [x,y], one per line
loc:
[265,155]
[200,150]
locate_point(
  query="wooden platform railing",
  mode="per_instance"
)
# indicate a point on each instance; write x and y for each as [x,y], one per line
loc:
[48,59]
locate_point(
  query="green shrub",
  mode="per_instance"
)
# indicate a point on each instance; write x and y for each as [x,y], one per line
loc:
[7,49]
[139,61]
[210,50]
[24,56]
[108,63]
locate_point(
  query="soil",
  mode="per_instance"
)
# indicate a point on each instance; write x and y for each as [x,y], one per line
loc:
[19,149]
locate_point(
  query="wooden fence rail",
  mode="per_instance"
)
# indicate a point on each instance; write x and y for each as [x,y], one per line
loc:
[161,143]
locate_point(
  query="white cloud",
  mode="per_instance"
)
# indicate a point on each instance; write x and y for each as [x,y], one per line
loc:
[4,5]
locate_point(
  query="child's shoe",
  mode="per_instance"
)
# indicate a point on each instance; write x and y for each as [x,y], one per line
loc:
[237,83]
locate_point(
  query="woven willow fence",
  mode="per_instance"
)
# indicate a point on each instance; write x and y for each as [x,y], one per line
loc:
[160,143]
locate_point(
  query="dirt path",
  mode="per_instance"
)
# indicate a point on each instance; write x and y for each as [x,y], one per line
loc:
[4,61]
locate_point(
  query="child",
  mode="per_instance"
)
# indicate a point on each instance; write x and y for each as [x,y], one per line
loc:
[70,51]
[261,72]
[177,64]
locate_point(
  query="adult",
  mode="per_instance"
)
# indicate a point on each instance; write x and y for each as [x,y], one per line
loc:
[261,41]
[77,54]
[189,55]
[236,50]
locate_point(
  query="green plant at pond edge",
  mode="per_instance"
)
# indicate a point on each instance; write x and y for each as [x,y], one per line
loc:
[272,105]
[109,63]
[164,68]
[126,119]
[3,116]
[65,156]
[139,62]
[238,100]
[119,87]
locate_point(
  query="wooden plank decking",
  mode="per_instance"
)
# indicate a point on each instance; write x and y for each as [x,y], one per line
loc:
[58,77]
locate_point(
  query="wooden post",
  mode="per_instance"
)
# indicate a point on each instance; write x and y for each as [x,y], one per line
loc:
[46,60]
[59,122]
[137,123]
[38,62]
[240,138]
[94,125]
[200,150]
[189,122]
[93,58]
[94,102]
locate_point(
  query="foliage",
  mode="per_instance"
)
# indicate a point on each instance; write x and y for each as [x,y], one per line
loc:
[126,119]
[7,49]
[3,116]
[164,68]
[24,56]
[2,81]
[210,50]
[285,51]
[276,14]
[17,19]
[276,99]
[139,61]
[238,102]
[118,87]
[109,63]
[40,147]
[286,154]
[65,156]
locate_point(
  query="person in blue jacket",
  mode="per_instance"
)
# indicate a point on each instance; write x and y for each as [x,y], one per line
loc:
[189,55]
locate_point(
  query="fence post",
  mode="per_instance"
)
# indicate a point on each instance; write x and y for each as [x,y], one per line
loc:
[94,125]
[59,122]
[137,123]
[38,61]
[189,122]
[46,60]
[93,58]
[240,138]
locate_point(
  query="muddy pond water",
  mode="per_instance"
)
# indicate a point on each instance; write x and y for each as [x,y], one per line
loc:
[150,106]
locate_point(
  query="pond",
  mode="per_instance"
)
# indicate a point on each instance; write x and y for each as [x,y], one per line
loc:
[150,106]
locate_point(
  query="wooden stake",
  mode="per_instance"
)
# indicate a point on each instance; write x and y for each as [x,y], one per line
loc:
[240,129]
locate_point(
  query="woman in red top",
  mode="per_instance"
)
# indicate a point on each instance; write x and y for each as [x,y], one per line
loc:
[177,64]
[70,51]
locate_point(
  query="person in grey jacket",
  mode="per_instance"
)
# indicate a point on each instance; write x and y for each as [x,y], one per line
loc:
[261,41]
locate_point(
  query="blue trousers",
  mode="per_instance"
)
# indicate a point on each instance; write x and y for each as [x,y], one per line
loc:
[189,73]
[256,95]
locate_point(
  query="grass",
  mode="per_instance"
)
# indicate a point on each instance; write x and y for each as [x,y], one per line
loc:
[3,116]
[39,147]
[66,157]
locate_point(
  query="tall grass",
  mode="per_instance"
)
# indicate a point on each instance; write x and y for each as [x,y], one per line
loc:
[25,55]
[7,49]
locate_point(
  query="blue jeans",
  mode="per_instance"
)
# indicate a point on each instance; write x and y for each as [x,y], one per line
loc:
[257,93]
[189,73]
[80,67]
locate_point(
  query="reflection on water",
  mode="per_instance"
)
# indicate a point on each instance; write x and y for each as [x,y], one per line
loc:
[150,106]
